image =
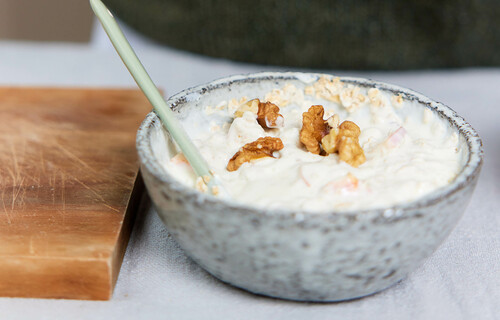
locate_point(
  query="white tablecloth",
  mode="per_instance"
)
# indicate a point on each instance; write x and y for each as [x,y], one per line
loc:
[461,280]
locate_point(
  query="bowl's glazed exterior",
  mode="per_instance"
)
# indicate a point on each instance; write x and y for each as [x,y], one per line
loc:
[310,256]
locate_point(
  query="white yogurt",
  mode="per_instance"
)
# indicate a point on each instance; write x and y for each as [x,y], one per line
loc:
[409,150]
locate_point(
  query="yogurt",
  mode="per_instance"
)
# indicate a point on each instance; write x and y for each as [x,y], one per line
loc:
[410,151]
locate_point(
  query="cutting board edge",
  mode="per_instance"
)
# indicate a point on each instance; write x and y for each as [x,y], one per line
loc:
[137,198]
[31,280]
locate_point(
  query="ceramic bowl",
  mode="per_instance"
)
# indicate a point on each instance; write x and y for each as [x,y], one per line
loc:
[292,254]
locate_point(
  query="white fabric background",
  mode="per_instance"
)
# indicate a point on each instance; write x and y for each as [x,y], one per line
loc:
[461,280]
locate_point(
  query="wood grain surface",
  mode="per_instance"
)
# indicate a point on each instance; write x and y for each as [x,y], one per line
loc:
[68,167]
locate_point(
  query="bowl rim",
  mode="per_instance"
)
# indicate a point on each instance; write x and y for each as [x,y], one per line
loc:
[469,171]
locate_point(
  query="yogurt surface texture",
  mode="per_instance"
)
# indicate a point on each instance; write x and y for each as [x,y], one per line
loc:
[410,151]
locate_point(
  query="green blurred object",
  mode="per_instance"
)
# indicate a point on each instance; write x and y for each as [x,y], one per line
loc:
[357,34]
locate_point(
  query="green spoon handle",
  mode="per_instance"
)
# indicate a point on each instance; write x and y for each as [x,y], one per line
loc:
[147,86]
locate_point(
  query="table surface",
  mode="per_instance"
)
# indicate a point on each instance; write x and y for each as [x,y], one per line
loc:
[461,280]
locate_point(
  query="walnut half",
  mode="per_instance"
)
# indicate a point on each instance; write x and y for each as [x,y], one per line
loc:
[314,128]
[327,137]
[268,116]
[345,141]
[260,148]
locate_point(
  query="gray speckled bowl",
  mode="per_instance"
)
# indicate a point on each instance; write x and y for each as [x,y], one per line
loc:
[312,256]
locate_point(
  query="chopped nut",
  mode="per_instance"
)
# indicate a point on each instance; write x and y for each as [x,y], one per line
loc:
[314,128]
[350,151]
[260,148]
[348,144]
[268,115]
[320,136]
[349,129]
[252,106]
[329,142]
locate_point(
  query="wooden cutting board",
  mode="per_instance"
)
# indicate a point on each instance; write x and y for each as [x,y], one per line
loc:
[68,167]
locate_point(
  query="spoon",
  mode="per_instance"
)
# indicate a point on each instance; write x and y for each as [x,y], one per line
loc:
[166,115]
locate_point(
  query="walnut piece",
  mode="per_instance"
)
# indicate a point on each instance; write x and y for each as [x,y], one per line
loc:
[350,151]
[314,128]
[327,137]
[349,129]
[329,142]
[268,115]
[260,148]
[347,144]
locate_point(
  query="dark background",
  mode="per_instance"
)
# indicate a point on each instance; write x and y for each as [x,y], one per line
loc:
[355,34]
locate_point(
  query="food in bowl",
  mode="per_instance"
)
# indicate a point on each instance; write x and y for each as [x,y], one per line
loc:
[303,253]
[290,147]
